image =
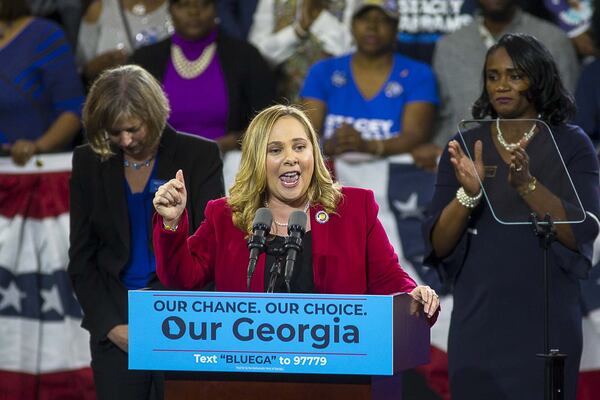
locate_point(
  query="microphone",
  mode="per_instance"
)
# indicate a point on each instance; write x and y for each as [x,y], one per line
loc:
[261,226]
[293,243]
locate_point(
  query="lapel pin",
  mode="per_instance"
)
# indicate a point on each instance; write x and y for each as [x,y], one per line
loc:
[322,217]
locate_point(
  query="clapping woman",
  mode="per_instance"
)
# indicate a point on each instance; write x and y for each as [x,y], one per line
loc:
[497,325]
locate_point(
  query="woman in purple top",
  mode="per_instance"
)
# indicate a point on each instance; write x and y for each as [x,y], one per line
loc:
[215,84]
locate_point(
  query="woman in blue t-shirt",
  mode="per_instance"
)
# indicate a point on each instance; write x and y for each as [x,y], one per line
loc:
[373,101]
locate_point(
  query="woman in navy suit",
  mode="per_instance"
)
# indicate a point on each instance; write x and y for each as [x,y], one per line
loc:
[497,326]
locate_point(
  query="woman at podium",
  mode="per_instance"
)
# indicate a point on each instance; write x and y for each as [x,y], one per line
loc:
[490,179]
[345,248]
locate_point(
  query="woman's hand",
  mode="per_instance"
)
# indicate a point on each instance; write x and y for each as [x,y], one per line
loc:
[170,199]
[428,297]
[228,142]
[518,174]
[345,139]
[465,169]
[426,156]
[119,335]
[22,150]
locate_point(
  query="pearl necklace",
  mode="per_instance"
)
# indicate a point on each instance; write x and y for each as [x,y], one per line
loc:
[136,165]
[192,69]
[286,224]
[510,146]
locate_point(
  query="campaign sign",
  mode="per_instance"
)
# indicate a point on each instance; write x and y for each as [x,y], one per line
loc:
[259,332]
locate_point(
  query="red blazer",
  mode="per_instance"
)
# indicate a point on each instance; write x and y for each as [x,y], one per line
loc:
[351,253]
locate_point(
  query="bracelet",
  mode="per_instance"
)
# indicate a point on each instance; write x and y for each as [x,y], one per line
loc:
[466,200]
[169,227]
[531,186]
[379,148]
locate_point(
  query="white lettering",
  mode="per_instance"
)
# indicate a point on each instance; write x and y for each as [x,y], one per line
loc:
[440,7]
[369,128]
[431,15]
[456,5]
[432,23]
[435,7]
[408,6]
[200,359]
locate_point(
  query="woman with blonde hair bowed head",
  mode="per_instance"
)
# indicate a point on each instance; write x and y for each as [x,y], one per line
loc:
[345,248]
[131,152]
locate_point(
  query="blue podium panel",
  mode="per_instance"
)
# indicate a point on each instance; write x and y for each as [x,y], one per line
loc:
[258,332]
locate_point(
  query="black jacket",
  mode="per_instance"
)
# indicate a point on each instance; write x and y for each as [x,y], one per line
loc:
[100,236]
[249,80]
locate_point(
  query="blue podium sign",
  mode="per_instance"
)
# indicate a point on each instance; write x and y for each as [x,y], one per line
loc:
[258,332]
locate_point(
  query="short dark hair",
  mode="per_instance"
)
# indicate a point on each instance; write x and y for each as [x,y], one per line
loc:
[10,10]
[546,90]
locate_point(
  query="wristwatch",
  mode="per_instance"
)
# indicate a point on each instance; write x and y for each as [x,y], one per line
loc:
[531,185]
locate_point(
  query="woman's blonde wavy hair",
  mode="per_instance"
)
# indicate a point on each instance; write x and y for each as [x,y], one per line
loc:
[121,92]
[249,191]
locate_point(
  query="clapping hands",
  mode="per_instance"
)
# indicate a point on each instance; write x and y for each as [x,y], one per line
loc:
[465,169]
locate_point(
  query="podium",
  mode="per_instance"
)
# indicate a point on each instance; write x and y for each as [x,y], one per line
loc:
[281,346]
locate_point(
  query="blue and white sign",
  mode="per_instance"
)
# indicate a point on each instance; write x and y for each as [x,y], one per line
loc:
[247,332]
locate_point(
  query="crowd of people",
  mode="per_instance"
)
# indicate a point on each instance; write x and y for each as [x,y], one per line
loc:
[155,92]
[315,52]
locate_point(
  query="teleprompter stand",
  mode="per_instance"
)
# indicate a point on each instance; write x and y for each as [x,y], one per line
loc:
[546,164]
[554,360]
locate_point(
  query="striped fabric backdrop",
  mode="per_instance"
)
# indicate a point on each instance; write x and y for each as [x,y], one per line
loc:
[44,353]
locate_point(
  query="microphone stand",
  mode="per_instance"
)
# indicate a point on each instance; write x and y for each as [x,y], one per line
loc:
[554,361]
[275,271]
